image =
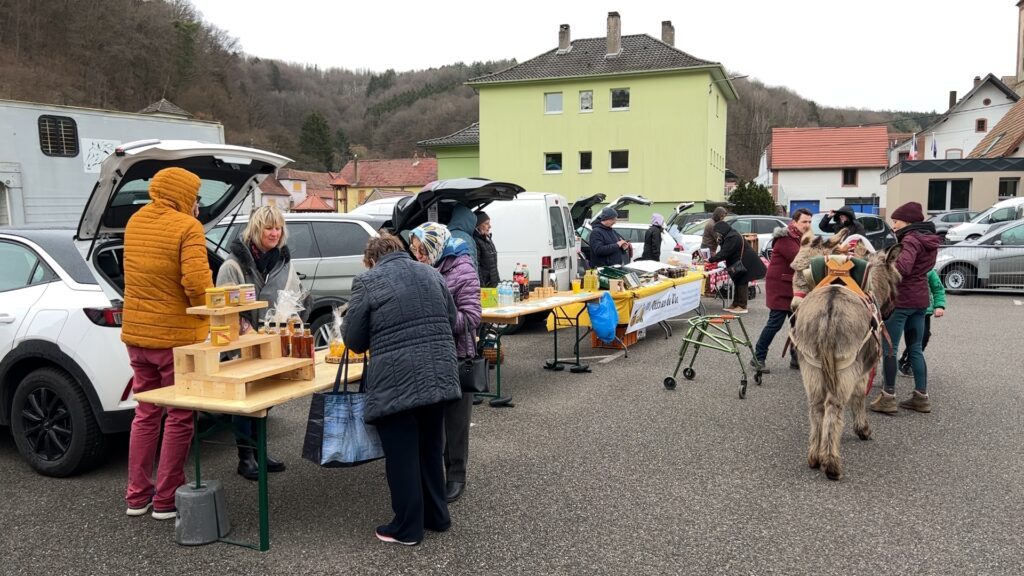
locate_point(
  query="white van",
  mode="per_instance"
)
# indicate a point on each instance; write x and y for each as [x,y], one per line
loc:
[534,229]
[1005,211]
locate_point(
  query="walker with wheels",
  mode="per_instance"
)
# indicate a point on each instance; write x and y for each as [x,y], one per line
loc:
[715,332]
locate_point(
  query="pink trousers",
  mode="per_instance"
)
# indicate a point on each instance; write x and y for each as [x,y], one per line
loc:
[155,369]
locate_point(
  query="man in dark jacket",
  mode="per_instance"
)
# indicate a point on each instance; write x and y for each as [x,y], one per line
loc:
[403,312]
[733,250]
[652,240]
[920,248]
[836,220]
[487,254]
[778,283]
[607,248]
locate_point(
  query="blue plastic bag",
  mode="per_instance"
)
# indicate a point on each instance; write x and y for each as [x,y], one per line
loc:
[337,435]
[603,317]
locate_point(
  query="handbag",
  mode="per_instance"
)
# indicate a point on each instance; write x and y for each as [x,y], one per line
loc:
[337,435]
[738,268]
[473,373]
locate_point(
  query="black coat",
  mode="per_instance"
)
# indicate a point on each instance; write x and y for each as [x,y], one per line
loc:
[402,312]
[855,227]
[733,249]
[652,244]
[604,248]
[487,259]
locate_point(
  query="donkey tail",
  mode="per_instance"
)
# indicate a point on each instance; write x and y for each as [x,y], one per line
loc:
[829,346]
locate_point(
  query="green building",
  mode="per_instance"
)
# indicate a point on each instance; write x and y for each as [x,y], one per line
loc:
[615,115]
[458,154]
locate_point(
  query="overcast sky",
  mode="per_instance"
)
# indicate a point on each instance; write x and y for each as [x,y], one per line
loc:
[878,54]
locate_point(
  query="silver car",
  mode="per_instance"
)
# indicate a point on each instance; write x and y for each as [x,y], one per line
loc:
[996,260]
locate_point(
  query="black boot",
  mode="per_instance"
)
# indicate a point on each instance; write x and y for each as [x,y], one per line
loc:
[453,491]
[249,468]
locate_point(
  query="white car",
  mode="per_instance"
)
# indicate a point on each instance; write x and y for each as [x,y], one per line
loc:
[382,207]
[65,379]
[635,234]
[64,373]
[1000,212]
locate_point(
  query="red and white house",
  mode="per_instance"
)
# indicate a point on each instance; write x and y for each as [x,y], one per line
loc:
[825,168]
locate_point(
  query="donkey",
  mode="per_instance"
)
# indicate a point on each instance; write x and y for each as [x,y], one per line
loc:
[837,336]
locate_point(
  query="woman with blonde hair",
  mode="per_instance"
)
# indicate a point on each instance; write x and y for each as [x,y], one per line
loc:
[260,257]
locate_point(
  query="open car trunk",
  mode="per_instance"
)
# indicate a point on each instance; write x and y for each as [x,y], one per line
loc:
[108,262]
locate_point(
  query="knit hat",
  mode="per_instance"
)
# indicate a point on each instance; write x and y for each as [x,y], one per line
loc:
[910,212]
[482,217]
[607,213]
[657,220]
[433,236]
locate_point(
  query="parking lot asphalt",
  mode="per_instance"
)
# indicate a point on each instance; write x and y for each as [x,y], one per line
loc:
[609,473]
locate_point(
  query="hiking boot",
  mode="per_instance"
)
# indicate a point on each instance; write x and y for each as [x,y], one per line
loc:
[917,402]
[759,366]
[884,403]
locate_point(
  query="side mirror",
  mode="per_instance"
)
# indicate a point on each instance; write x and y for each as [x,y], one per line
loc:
[997,243]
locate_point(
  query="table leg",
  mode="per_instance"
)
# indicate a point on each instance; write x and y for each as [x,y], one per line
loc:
[195,448]
[499,401]
[261,451]
[554,364]
[579,368]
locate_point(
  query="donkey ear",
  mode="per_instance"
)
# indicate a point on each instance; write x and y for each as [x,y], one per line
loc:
[893,253]
[807,238]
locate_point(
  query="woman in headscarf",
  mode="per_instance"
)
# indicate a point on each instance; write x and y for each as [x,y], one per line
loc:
[433,244]
[733,251]
[652,240]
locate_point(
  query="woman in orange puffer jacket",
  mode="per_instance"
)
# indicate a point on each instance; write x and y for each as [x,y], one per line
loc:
[165,271]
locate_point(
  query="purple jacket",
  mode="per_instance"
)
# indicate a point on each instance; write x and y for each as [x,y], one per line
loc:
[464,284]
[920,247]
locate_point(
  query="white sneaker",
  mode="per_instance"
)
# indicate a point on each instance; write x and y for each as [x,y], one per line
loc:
[166,515]
[139,511]
[736,310]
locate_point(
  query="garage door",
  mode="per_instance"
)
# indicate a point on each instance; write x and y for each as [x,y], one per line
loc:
[812,205]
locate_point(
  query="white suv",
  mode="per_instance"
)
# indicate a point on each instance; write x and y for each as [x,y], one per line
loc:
[65,379]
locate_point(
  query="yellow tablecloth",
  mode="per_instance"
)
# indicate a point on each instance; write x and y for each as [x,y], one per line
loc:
[623,301]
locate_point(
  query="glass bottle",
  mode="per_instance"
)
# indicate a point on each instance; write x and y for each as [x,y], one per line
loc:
[298,346]
[286,340]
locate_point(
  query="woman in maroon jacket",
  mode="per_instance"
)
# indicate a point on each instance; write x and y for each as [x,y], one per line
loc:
[920,247]
[433,244]
[778,284]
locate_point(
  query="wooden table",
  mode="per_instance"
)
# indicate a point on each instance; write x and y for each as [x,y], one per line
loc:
[263,395]
[514,314]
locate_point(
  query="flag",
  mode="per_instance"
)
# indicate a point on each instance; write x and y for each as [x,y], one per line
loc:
[913,147]
[935,147]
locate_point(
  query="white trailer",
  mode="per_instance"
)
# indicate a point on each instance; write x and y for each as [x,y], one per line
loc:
[50,155]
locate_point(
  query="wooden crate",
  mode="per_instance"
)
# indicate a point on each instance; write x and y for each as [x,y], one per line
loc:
[620,332]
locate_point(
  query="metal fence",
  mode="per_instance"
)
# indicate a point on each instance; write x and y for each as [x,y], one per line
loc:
[981,267]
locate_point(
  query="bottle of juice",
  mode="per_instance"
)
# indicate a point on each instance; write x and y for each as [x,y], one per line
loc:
[308,343]
[298,343]
[286,340]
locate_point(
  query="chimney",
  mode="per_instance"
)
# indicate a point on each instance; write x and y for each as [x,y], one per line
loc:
[355,169]
[615,34]
[977,80]
[952,98]
[1020,42]
[668,32]
[563,38]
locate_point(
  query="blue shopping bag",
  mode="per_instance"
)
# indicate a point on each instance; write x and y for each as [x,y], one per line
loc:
[603,317]
[337,435]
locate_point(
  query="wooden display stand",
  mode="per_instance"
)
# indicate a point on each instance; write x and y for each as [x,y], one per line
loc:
[199,371]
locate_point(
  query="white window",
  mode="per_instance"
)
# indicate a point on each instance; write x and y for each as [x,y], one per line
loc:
[586,100]
[553,162]
[586,162]
[619,161]
[620,98]
[553,103]
[1008,187]
[954,154]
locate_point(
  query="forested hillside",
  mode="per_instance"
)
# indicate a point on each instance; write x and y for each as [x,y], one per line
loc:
[127,54]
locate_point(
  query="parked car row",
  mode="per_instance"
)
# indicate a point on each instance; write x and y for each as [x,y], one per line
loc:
[1000,213]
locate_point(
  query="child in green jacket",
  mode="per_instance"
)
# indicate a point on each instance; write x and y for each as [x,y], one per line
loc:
[937,306]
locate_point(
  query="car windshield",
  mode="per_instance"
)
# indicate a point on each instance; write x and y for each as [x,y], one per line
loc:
[696,227]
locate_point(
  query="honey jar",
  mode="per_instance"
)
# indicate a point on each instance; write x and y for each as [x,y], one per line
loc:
[216,298]
[231,294]
[220,335]
[246,294]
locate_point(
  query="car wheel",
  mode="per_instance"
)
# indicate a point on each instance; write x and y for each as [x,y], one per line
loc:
[53,425]
[321,329]
[959,278]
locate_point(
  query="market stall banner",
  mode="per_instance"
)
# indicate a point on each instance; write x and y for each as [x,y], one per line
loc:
[663,305]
